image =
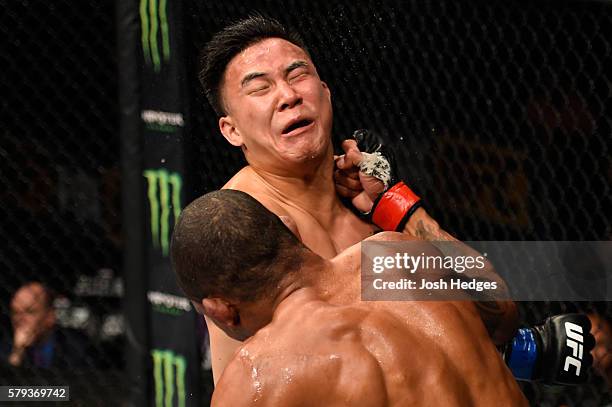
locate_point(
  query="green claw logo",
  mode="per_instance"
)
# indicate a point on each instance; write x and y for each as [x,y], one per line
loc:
[164,193]
[153,24]
[167,365]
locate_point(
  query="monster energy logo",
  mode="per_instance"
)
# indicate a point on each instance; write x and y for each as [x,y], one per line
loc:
[151,25]
[169,374]
[164,192]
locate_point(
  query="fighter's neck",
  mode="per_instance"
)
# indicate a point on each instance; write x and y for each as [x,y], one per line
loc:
[305,284]
[313,190]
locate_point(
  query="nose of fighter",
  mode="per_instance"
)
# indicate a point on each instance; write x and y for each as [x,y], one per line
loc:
[288,97]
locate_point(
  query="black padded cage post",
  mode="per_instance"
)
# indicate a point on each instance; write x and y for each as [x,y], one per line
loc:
[164,343]
[133,210]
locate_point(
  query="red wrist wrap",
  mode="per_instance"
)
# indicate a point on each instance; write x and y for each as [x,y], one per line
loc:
[393,208]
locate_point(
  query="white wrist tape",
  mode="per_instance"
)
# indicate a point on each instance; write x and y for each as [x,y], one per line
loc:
[377,166]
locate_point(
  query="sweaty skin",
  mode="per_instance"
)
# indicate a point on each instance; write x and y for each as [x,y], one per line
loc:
[326,231]
[291,174]
[318,351]
[279,113]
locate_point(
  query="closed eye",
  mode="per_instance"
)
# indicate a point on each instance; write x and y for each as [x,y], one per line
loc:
[297,71]
[297,76]
[258,89]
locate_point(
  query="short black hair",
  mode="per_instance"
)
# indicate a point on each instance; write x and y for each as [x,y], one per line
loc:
[227,244]
[227,43]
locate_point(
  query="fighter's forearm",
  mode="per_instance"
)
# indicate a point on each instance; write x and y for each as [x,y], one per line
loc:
[499,317]
[397,203]
[424,227]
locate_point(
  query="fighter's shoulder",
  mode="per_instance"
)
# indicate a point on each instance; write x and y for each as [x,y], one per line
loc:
[352,253]
[320,373]
[236,386]
[411,243]
[242,177]
[344,367]
[271,204]
[246,181]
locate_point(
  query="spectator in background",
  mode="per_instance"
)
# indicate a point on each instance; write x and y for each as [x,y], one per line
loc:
[37,340]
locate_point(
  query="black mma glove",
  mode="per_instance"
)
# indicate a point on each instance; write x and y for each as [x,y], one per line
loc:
[556,352]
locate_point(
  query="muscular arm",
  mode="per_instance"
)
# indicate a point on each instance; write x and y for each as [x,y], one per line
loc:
[500,317]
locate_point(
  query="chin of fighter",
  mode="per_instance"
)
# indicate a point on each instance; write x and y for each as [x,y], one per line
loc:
[425,284]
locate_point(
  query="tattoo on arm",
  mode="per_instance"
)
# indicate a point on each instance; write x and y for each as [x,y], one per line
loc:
[432,232]
[496,315]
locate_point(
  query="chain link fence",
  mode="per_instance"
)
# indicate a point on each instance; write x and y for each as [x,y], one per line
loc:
[499,112]
[59,183]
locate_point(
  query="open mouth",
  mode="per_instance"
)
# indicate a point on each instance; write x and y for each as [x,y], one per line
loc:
[297,125]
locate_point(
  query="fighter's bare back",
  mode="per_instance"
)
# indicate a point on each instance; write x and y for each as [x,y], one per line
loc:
[318,352]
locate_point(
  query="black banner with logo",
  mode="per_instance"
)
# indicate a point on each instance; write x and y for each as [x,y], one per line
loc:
[173,359]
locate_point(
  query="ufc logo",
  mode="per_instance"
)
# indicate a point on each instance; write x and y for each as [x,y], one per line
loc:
[574,341]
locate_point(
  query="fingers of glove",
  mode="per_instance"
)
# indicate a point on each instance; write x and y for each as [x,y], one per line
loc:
[352,172]
[346,192]
[363,202]
[352,155]
[348,145]
[350,161]
[353,158]
[371,184]
[348,181]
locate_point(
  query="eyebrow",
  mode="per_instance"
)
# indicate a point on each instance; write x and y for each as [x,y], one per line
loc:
[254,75]
[295,65]
[249,77]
